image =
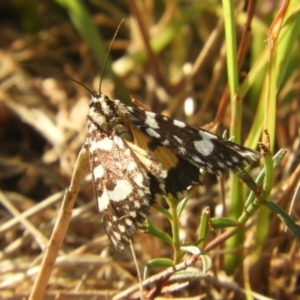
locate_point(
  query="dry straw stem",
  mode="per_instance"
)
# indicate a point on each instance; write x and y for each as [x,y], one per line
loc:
[31,211]
[38,235]
[59,231]
[156,279]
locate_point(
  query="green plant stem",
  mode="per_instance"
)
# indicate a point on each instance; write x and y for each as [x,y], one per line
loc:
[236,207]
[175,229]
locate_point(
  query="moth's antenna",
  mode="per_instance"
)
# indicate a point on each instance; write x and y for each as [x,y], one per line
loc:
[59,73]
[106,59]
[74,80]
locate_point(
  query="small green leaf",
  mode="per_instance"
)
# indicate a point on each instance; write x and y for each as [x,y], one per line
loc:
[285,217]
[207,262]
[157,263]
[158,233]
[204,226]
[223,223]
[182,204]
[162,210]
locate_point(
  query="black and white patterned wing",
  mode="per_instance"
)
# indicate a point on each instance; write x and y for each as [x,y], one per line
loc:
[121,185]
[197,146]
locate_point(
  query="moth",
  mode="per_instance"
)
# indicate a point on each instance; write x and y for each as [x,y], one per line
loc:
[136,156]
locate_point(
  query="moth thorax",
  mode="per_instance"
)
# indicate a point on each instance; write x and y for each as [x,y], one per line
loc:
[123,132]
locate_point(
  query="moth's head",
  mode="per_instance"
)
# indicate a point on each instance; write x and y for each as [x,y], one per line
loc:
[101,104]
[97,99]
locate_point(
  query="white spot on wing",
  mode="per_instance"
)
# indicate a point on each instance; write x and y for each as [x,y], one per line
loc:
[179,140]
[179,123]
[105,144]
[121,227]
[205,146]
[207,135]
[98,171]
[127,152]
[140,192]
[103,201]
[132,214]
[150,120]
[197,159]
[121,191]
[113,239]
[138,178]
[164,173]
[131,166]
[251,155]
[152,133]
[117,235]
[182,150]
[137,204]
[128,221]
[221,165]
[119,142]
[234,158]
[118,165]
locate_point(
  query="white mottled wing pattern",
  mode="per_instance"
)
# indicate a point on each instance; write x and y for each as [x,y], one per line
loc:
[121,185]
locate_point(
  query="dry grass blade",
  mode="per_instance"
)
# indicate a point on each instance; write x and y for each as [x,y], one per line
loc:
[32,211]
[62,223]
[39,236]
[155,279]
